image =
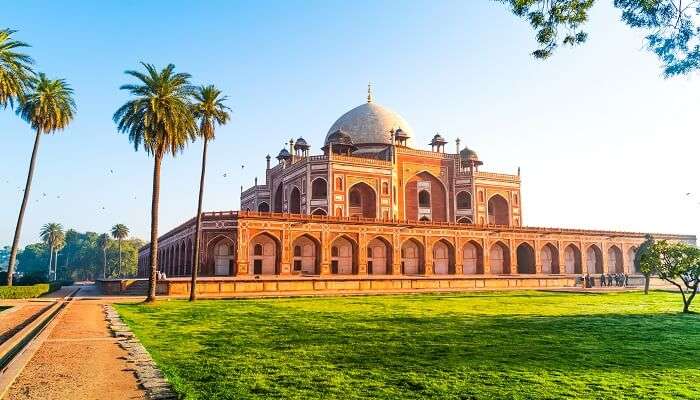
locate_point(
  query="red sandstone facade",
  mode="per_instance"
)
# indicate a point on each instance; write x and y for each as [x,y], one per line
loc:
[371,205]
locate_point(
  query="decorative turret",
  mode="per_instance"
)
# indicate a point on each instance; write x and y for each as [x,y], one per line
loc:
[401,137]
[301,148]
[284,155]
[438,143]
[469,159]
[340,143]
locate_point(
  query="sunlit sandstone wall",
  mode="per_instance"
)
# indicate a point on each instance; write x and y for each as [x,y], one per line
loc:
[230,239]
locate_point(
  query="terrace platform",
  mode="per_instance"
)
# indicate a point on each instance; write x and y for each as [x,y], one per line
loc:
[224,286]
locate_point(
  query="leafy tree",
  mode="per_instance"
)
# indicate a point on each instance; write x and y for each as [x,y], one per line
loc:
[49,107]
[85,264]
[160,119]
[672,27]
[83,258]
[556,22]
[209,110]
[130,254]
[673,261]
[120,232]
[16,72]
[103,242]
[4,257]
[648,242]
[32,260]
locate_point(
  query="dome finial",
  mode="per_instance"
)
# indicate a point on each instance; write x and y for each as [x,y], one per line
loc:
[369,92]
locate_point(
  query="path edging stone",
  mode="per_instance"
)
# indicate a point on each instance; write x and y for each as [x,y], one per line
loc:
[147,373]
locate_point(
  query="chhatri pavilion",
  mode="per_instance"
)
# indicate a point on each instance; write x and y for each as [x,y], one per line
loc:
[372,211]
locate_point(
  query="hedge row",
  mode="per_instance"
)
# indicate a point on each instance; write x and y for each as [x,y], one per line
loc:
[26,292]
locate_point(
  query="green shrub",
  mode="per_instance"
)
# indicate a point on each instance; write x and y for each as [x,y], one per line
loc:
[26,292]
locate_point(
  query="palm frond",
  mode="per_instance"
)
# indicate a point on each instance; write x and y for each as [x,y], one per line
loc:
[159,117]
[16,74]
[209,109]
[49,106]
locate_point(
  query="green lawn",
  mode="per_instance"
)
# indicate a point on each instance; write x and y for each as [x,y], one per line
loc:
[515,345]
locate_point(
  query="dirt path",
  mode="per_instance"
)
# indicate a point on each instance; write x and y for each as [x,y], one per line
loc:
[14,319]
[79,360]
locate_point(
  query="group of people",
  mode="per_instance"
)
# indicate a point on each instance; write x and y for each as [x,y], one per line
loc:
[618,279]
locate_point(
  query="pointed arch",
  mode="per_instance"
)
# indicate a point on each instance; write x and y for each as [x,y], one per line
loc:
[412,257]
[549,256]
[464,200]
[525,258]
[306,255]
[425,195]
[278,201]
[498,210]
[362,200]
[443,257]
[217,261]
[295,201]
[379,256]
[264,254]
[572,259]
[631,255]
[594,260]
[472,258]
[319,189]
[615,262]
[319,211]
[499,258]
[263,207]
[344,255]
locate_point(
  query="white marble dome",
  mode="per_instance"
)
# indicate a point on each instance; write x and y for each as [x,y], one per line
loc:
[370,123]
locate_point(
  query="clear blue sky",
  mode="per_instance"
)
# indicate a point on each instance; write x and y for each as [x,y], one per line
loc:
[602,139]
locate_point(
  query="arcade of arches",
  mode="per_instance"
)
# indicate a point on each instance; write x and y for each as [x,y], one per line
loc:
[309,253]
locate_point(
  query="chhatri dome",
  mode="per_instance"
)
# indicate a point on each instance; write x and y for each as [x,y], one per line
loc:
[370,124]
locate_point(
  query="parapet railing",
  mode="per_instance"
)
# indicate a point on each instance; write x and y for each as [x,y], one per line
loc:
[439,224]
[408,223]
[409,150]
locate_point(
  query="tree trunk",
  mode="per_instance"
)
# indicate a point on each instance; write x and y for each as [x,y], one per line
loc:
[647,278]
[155,196]
[104,263]
[195,256]
[121,272]
[691,296]
[23,208]
[55,265]
[48,276]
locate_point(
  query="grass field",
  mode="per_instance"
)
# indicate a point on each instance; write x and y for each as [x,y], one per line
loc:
[515,345]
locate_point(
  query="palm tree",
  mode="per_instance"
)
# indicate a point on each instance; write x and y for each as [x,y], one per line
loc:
[52,235]
[159,118]
[60,243]
[209,110]
[48,107]
[120,232]
[16,74]
[16,77]
[103,242]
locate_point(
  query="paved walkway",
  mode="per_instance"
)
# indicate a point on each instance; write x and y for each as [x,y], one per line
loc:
[79,360]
